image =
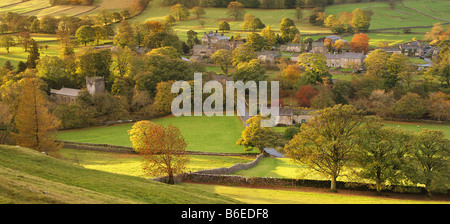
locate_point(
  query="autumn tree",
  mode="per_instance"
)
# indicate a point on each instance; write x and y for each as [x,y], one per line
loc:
[360,43]
[250,71]
[223,58]
[125,35]
[361,20]
[326,143]
[304,95]
[242,53]
[380,153]
[256,136]
[381,103]
[439,106]
[7,41]
[429,163]
[164,97]
[269,35]
[291,74]
[36,127]
[198,11]
[162,149]
[376,63]
[33,54]
[315,68]
[85,34]
[410,106]
[236,10]
[224,25]
[179,11]
[288,30]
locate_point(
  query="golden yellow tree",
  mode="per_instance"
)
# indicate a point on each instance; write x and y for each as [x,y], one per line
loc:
[162,149]
[36,127]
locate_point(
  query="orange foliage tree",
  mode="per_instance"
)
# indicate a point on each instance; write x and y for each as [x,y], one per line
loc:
[36,127]
[305,95]
[360,43]
[162,149]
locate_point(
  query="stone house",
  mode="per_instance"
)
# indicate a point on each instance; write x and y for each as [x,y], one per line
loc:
[64,95]
[345,60]
[212,38]
[294,48]
[67,95]
[268,56]
[415,48]
[202,50]
[211,42]
[291,116]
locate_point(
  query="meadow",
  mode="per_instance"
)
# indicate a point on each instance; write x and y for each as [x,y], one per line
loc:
[384,17]
[414,127]
[212,134]
[130,164]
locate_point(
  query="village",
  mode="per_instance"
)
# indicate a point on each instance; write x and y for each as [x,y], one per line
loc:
[92,110]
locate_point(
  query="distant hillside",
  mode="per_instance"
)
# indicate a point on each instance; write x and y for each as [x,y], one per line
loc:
[27,176]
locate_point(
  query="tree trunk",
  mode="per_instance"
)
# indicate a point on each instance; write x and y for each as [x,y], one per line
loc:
[378,182]
[171,181]
[333,184]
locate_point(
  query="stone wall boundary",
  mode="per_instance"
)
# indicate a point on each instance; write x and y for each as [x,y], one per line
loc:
[130,150]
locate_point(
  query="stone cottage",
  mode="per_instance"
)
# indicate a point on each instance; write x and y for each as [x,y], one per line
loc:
[291,116]
[294,48]
[345,60]
[268,56]
[415,48]
[213,38]
[64,95]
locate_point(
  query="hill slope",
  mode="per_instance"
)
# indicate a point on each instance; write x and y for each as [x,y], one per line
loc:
[27,176]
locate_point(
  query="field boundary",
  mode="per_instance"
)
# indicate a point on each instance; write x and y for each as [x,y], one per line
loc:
[130,150]
[223,176]
[433,17]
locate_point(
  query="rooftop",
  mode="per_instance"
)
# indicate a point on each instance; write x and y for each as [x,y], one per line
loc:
[350,55]
[65,91]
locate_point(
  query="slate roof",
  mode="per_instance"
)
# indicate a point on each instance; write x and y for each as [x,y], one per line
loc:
[349,55]
[66,91]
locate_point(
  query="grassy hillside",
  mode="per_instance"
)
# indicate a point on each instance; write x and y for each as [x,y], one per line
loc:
[27,176]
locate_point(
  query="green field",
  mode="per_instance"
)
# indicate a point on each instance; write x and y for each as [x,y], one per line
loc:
[29,177]
[156,11]
[130,164]
[408,126]
[417,127]
[207,134]
[385,17]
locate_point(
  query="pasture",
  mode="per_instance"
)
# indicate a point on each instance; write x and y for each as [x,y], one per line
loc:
[414,127]
[207,134]
[130,164]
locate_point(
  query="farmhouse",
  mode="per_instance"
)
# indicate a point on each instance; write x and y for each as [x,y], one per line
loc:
[415,48]
[213,38]
[345,60]
[211,42]
[268,56]
[202,50]
[295,48]
[290,116]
